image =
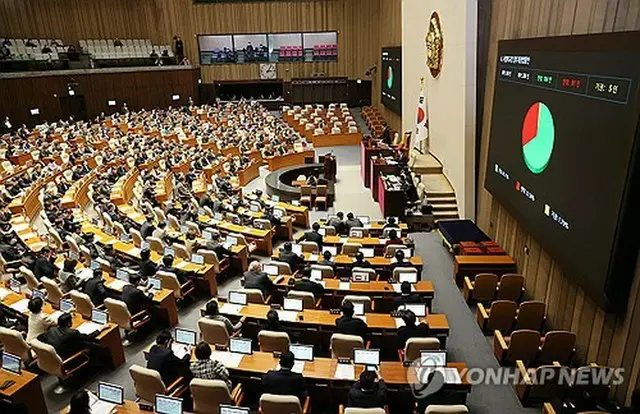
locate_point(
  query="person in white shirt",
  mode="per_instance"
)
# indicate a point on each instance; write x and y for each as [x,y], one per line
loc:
[38,322]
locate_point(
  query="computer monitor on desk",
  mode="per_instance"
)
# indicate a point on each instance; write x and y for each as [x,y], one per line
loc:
[168,405]
[111,393]
[302,352]
[240,346]
[367,252]
[230,409]
[11,363]
[367,357]
[186,336]
[271,270]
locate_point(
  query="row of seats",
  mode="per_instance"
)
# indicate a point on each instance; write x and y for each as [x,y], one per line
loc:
[126,48]
[34,49]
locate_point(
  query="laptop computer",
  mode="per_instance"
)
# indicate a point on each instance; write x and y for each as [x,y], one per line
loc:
[11,363]
[359,276]
[364,219]
[418,309]
[367,252]
[186,336]
[240,346]
[358,308]
[231,409]
[197,259]
[302,352]
[123,275]
[111,393]
[331,249]
[155,283]
[168,405]
[66,305]
[271,270]
[292,304]
[411,277]
[99,317]
[367,357]
[237,298]
[433,358]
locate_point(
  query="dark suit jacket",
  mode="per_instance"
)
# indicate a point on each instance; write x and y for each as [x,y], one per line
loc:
[338,224]
[308,285]
[364,263]
[43,267]
[293,259]
[146,229]
[312,236]
[258,280]
[66,341]
[407,332]
[410,298]
[360,398]
[329,263]
[167,364]
[96,290]
[147,268]
[351,326]
[284,382]
[353,223]
[135,299]
[405,263]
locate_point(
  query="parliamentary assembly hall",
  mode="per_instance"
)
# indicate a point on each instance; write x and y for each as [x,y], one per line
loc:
[319,206]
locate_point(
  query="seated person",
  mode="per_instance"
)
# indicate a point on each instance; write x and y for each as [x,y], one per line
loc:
[167,266]
[273,322]
[393,238]
[217,246]
[326,259]
[68,275]
[338,222]
[410,329]
[305,284]
[367,393]
[191,242]
[285,381]
[147,267]
[68,341]
[255,278]
[95,288]
[406,296]
[162,359]
[44,264]
[391,223]
[147,227]
[400,261]
[135,299]
[161,232]
[352,221]
[212,311]
[288,256]
[347,324]
[206,368]
[361,261]
[79,403]
[313,235]
[37,322]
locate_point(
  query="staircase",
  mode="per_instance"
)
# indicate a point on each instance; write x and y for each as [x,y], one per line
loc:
[435,185]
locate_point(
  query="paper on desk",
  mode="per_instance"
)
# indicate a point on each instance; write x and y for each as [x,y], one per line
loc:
[343,240]
[287,316]
[298,367]
[396,287]
[21,306]
[344,285]
[382,241]
[345,372]
[323,283]
[182,265]
[180,350]
[4,293]
[451,375]
[88,328]
[228,359]
[134,251]
[230,308]
[313,258]
[55,315]
[399,322]
[98,406]
[116,284]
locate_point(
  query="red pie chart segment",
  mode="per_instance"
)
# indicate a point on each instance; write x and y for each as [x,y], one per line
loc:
[530,125]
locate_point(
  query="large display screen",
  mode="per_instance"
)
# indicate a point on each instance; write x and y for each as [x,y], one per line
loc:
[392,78]
[561,152]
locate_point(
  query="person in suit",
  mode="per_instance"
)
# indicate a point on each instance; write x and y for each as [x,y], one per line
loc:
[406,296]
[314,235]
[391,224]
[361,261]
[410,329]
[393,238]
[326,259]
[95,288]
[135,299]
[162,359]
[305,284]
[147,227]
[68,341]
[284,381]
[68,275]
[147,267]
[400,261]
[167,266]
[217,247]
[352,221]
[44,265]
[288,256]
[212,311]
[79,403]
[386,134]
[37,322]
[273,322]
[337,222]
[347,324]
[367,392]
[255,278]
[160,232]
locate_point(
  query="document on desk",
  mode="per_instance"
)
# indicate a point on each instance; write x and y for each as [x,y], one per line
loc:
[99,406]
[313,258]
[287,316]
[55,315]
[345,372]
[21,306]
[180,350]
[228,359]
[396,288]
[116,284]
[4,293]
[344,285]
[134,251]
[230,308]
[399,322]
[323,283]
[298,367]
[88,328]
[450,375]
[183,265]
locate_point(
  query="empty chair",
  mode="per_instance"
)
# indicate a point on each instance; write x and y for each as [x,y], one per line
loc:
[278,404]
[481,289]
[32,282]
[209,394]
[446,409]
[213,332]
[521,345]
[595,381]
[329,230]
[327,271]
[322,197]
[359,232]
[174,224]
[350,249]
[13,343]
[54,293]
[390,250]
[500,316]
[283,268]
[365,300]
[308,299]
[254,296]
[557,346]
[193,226]
[415,346]
[271,341]
[118,229]
[156,244]
[511,287]
[310,247]
[120,315]
[170,281]
[160,216]
[210,257]
[147,383]
[342,345]
[136,238]
[531,315]
[553,387]
[50,362]
[306,195]
[181,251]
[82,302]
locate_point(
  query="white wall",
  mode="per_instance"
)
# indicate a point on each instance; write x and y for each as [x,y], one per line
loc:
[452,96]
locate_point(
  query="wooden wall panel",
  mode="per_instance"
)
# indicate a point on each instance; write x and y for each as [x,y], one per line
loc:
[602,338]
[390,29]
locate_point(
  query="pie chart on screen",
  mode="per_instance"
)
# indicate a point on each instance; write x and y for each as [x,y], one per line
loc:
[389,77]
[538,137]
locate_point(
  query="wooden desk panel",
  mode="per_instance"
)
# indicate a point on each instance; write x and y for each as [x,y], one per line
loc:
[471,265]
[249,174]
[336,140]
[344,260]
[26,390]
[282,161]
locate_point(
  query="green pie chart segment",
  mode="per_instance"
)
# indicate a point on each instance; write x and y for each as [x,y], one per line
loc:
[389,77]
[538,137]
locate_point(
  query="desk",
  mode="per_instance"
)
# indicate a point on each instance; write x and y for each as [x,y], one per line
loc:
[262,238]
[376,228]
[296,158]
[392,199]
[366,152]
[27,390]
[109,338]
[248,174]
[378,166]
[347,261]
[336,140]
[471,265]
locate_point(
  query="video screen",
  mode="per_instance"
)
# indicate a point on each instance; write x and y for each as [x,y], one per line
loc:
[250,48]
[216,49]
[320,46]
[285,47]
[392,78]
[564,123]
